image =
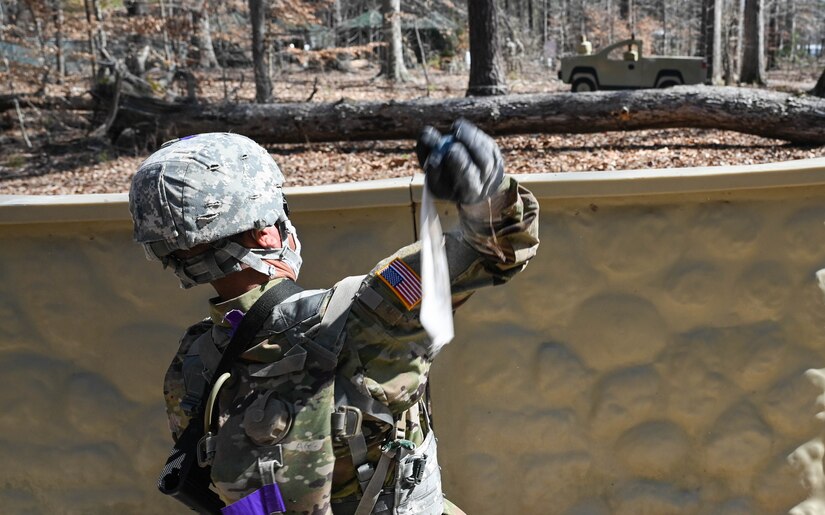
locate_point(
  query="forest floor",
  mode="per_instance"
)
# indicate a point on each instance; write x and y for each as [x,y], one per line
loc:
[63,159]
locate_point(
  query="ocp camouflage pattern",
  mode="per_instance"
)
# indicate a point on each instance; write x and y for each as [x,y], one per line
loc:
[386,354]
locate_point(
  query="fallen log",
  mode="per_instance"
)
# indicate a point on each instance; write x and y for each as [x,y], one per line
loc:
[75,103]
[771,114]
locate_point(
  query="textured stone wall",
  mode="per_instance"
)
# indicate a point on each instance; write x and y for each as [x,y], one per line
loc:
[649,360]
[88,329]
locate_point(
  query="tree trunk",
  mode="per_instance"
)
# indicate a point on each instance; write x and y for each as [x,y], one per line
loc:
[753,55]
[610,21]
[712,11]
[790,28]
[718,7]
[258,11]
[57,13]
[137,7]
[764,113]
[819,89]
[167,53]
[739,45]
[77,103]
[202,36]
[773,38]
[91,34]
[138,44]
[393,67]
[337,19]
[624,9]
[102,44]
[486,77]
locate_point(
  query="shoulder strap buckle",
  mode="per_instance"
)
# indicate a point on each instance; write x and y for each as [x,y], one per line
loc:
[205,449]
[346,422]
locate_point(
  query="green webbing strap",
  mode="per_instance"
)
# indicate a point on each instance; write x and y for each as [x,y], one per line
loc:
[348,399]
[324,346]
[358,451]
[376,484]
[373,490]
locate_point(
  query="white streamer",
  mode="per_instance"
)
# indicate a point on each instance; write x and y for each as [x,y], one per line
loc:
[436,301]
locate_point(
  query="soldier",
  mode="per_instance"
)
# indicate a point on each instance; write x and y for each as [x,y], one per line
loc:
[316,418]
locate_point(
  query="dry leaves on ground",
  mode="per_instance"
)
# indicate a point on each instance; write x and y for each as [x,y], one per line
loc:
[65,162]
[331,163]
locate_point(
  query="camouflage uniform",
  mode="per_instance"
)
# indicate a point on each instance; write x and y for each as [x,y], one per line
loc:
[385,356]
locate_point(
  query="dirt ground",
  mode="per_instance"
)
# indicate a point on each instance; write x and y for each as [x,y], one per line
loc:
[64,160]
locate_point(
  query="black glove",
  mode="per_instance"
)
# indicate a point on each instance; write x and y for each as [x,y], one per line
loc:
[465,166]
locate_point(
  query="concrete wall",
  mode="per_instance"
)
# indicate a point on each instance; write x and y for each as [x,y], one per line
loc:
[649,360]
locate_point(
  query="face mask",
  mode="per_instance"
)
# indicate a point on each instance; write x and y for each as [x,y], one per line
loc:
[226,257]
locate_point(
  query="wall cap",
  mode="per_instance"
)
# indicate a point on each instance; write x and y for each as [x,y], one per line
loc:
[19,209]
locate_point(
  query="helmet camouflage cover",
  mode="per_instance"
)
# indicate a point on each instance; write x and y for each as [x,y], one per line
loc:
[204,189]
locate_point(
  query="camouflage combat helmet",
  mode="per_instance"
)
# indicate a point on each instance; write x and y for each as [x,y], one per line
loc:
[201,190]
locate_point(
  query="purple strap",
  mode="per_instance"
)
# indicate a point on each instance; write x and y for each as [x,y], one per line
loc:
[264,501]
[234,318]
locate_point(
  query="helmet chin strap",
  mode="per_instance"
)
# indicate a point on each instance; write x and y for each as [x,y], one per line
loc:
[226,257]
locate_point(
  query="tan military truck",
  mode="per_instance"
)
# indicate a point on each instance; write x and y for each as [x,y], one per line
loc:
[622,66]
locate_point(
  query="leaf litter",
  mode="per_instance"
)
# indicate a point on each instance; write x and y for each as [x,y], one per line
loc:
[65,162]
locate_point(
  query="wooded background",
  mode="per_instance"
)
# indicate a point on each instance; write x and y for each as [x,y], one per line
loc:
[44,40]
[135,71]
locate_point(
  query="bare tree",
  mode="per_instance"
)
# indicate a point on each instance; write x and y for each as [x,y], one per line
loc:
[773,38]
[202,35]
[258,11]
[164,19]
[486,77]
[393,67]
[752,70]
[337,16]
[712,11]
[102,41]
[57,18]
[136,7]
[138,44]
[819,89]
[790,28]
[90,32]
[628,13]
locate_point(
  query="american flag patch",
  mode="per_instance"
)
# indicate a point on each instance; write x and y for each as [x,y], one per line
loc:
[403,281]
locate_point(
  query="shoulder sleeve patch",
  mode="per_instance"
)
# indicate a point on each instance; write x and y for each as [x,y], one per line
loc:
[403,281]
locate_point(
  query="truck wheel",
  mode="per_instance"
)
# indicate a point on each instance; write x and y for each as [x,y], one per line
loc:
[583,84]
[669,82]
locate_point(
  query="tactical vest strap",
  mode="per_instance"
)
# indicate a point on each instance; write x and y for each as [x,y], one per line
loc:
[210,356]
[326,344]
[373,489]
[335,316]
[401,427]
[347,398]
[350,400]
[253,320]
